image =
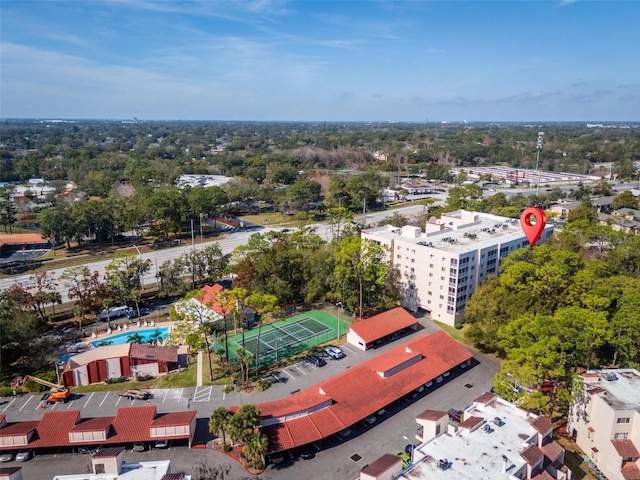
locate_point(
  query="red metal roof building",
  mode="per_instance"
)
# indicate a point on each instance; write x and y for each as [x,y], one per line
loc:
[364,334]
[346,398]
[67,429]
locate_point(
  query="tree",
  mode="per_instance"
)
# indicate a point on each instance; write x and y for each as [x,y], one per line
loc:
[360,275]
[135,338]
[219,421]
[124,276]
[255,448]
[244,423]
[7,208]
[624,200]
[85,287]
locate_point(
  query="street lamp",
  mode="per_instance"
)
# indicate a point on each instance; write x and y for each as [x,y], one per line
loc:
[538,148]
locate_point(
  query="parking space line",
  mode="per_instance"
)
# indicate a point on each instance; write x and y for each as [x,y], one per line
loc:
[165,396]
[105,397]
[87,402]
[289,374]
[72,401]
[10,403]
[202,395]
[25,403]
[349,349]
[298,368]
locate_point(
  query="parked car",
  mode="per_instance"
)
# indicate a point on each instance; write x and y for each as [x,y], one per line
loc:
[23,456]
[134,313]
[277,457]
[344,433]
[371,419]
[161,444]
[334,352]
[138,447]
[315,361]
[307,453]
[6,457]
[113,313]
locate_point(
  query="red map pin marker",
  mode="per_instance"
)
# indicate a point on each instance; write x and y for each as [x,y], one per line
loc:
[533,230]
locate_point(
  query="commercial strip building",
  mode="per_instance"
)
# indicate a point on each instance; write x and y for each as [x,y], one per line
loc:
[494,439]
[339,402]
[67,429]
[443,266]
[605,421]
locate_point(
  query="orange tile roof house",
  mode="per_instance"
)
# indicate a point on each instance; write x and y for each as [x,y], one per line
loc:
[366,333]
[346,398]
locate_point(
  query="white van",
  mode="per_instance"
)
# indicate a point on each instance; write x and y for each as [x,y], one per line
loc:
[114,312]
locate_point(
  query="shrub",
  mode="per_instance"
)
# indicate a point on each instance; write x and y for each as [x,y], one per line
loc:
[262,385]
[109,381]
[226,448]
[6,391]
[228,388]
[458,326]
[144,378]
[258,464]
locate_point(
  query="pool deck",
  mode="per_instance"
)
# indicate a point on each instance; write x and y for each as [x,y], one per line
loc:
[124,328]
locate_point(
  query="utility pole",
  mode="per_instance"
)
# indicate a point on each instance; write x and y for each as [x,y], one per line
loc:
[538,148]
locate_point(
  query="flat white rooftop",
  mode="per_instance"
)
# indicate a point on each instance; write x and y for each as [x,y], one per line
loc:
[622,387]
[484,231]
[151,470]
[477,455]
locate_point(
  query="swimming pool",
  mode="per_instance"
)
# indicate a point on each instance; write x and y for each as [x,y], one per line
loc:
[119,339]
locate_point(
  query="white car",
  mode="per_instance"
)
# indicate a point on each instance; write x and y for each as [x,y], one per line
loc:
[23,456]
[371,419]
[334,352]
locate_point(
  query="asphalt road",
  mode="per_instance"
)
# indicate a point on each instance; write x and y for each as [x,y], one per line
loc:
[334,459]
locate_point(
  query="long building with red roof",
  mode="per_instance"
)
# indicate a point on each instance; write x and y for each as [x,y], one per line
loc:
[341,401]
[66,428]
[366,333]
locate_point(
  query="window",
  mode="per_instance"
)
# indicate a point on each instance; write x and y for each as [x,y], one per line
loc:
[444,269]
[413,260]
[412,269]
[449,309]
[623,420]
[441,297]
[429,292]
[454,262]
[442,279]
[453,271]
[431,265]
[430,274]
[99,468]
[398,256]
[620,435]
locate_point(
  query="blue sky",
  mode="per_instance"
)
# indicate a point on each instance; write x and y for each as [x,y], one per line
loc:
[316,60]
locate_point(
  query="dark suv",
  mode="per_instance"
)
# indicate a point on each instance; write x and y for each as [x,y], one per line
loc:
[315,361]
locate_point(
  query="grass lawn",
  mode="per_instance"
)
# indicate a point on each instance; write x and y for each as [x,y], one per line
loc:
[271,219]
[456,334]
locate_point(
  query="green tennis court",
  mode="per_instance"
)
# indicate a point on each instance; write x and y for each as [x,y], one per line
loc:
[284,338]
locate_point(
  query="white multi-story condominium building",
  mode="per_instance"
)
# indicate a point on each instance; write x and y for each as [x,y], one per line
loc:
[605,421]
[443,266]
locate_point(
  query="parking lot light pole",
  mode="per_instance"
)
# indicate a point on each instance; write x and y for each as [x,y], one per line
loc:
[538,148]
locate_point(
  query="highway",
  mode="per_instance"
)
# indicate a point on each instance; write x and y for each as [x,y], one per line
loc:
[227,245]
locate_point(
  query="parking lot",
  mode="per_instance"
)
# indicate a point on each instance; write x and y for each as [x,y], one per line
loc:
[336,457]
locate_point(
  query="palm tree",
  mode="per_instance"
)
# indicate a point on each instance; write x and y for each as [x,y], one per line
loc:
[135,338]
[155,337]
[219,421]
[255,447]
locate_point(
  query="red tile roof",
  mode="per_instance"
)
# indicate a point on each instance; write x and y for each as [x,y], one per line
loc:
[383,464]
[552,450]
[131,424]
[431,415]
[346,398]
[630,471]
[543,476]
[532,455]
[383,324]
[208,297]
[485,398]
[173,419]
[20,428]
[97,424]
[471,422]
[6,472]
[303,430]
[158,353]
[541,424]
[625,447]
